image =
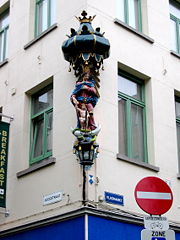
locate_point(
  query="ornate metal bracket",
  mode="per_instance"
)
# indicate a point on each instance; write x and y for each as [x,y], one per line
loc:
[6,213]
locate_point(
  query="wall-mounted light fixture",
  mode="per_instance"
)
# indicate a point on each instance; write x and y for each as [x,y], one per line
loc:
[85,49]
[86,152]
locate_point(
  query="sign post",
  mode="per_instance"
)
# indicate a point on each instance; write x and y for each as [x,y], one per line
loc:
[155,197]
[4,137]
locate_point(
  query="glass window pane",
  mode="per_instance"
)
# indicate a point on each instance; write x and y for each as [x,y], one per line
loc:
[179,37]
[43,101]
[178,141]
[49,131]
[42,15]
[38,137]
[1,46]
[174,9]
[53,11]
[6,49]
[129,87]
[4,20]
[120,10]
[42,124]
[137,132]
[122,127]
[173,35]
[133,14]
[177,106]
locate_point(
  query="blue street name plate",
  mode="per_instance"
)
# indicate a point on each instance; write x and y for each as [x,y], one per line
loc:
[114,198]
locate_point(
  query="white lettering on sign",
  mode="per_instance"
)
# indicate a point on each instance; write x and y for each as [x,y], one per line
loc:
[52,198]
[1,191]
[114,198]
[154,195]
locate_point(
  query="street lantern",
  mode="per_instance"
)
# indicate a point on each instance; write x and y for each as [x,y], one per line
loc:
[86,151]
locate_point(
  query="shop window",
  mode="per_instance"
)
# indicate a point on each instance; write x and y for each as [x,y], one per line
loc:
[45,15]
[175,25]
[129,12]
[132,130]
[41,125]
[4,30]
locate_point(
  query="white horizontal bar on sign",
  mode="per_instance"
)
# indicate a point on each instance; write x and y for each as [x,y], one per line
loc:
[154,195]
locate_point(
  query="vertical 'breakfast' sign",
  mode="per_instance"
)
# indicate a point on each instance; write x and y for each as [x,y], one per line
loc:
[4,139]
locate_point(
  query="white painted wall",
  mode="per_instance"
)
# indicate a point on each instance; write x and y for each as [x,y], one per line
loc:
[24,71]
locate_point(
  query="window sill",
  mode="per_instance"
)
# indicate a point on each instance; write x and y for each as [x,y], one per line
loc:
[138,163]
[129,28]
[36,39]
[175,54]
[36,166]
[3,62]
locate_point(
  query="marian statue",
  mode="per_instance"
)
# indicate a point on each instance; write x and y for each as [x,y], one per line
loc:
[84,98]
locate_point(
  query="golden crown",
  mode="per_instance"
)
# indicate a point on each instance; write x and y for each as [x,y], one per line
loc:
[84,18]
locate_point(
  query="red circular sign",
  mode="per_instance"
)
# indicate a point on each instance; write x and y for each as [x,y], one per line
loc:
[153,195]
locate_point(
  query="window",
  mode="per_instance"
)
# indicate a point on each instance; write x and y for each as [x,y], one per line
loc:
[129,11]
[177,106]
[132,130]
[4,29]
[41,125]
[175,25]
[45,15]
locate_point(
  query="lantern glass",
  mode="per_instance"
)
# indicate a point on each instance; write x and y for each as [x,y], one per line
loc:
[91,154]
[81,155]
[86,155]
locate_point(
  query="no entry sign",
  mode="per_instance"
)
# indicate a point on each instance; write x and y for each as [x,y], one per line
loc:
[153,195]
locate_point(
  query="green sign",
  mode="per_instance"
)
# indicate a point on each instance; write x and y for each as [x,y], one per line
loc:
[4,137]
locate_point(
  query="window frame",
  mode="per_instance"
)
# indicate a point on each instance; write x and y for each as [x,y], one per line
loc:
[34,117]
[177,99]
[177,22]
[4,30]
[49,17]
[126,15]
[128,117]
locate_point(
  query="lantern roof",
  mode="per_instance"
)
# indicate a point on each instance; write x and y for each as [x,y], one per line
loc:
[86,45]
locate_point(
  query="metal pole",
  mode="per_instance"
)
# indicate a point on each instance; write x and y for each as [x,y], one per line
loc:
[3,115]
[84,186]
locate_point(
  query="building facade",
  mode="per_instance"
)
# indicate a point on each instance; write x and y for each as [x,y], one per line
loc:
[138,111]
